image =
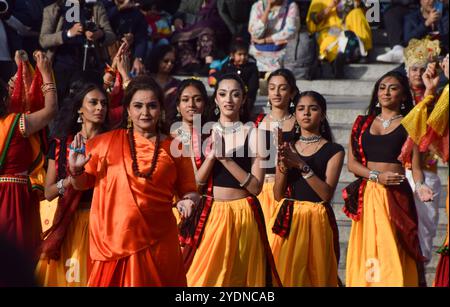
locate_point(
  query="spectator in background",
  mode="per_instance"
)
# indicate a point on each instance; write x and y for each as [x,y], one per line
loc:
[129,23]
[394,23]
[272,24]
[198,31]
[6,62]
[236,13]
[342,31]
[240,63]
[430,19]
[159,23]
[65,40]
[160,67]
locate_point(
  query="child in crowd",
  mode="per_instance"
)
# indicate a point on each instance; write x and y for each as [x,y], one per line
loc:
[240,62]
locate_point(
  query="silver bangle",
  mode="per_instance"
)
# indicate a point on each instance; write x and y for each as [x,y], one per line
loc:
[60,187]
[243,184]
[373,175]
[308,175]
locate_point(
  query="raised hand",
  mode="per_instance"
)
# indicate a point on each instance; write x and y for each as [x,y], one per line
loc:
[289,156]
[44,65]
[430,78]
[76,30]
[77,155]
[444,66]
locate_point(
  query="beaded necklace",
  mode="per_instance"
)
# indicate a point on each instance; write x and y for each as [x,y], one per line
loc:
[135,166]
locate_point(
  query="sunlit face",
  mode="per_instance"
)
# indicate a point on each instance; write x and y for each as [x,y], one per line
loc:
[229,98]
[280,93]
[308,114]
[144,110]
[191,103]
[390,93]
[94,107]
[167,63]
[415,76]
[240,57]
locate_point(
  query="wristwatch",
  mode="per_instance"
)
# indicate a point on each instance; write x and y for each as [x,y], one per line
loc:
[373,175]
[305,169]
[60,187]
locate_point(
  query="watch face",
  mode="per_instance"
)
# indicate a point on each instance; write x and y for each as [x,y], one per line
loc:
[306,169]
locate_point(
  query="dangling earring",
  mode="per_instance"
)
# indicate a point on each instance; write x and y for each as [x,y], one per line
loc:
[178,116]
[291,105]
[378,105]
[80,119]
[217,110]
[402,107]
[322,127]
[269,105]
[297,128]
[129,123]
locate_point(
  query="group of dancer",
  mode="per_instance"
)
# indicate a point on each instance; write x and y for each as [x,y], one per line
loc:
[253,203]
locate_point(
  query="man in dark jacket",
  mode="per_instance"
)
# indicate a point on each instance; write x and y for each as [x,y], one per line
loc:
[128,22]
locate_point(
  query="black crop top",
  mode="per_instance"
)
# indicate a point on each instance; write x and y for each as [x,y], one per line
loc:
[271,149]
[301,190]
[223,178]
[384,148]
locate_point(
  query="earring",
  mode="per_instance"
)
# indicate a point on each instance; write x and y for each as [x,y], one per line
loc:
[378,105]
[292,104]
[297,128]
[402,106]
[268,104]
[322,128]
[129,123]
[217,110]
[178,116]
[80,119]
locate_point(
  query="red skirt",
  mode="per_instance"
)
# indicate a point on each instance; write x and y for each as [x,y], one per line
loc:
[19,214]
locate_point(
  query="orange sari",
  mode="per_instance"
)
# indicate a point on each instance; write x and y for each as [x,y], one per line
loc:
[133,233]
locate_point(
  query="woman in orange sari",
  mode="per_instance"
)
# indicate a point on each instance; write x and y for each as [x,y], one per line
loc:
[21,164]
[133,233]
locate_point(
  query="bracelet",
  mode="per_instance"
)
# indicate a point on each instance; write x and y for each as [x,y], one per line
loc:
[373,175]
[77,174]
[243,184]
[308,175]
[283,169]
[125,84]
[60,187]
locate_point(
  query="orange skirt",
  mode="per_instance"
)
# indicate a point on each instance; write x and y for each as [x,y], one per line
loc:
[268,204]
[374,256]
[306,258]
[231,253]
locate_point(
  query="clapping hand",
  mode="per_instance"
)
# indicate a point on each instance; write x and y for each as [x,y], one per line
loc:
[288,156]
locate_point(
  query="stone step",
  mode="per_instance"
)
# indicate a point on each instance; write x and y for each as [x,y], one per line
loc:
[370,72]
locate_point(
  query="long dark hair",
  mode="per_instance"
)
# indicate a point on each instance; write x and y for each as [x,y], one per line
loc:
[243,116]
[66,121]
[200,87]
[156,56]
[143,83]
[403,80]
[325,130]
[290,79]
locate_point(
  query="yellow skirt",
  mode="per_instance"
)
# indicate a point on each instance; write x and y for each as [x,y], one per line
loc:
[71,270]
[268,204]
[374,257]
[306,258]
[231,253]
[355,22]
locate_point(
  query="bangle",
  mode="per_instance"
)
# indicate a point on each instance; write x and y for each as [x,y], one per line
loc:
[125,84]
[373,175]
[60,187]
[76,174]
[282,169]
[308,175]
[246,181]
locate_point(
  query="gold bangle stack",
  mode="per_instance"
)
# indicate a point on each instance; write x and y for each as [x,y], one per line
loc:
[125,84]
[48,87]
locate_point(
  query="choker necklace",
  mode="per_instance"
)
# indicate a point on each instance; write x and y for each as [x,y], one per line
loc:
[185,136]
[310,139]
[134,164]
[387,122]
[236,127]
[279,122]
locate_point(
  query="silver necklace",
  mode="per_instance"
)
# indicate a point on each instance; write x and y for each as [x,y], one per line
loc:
[387,122]
[310,139]
[279,122]
[185,136]
[236,127]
